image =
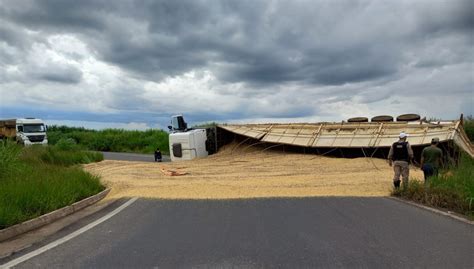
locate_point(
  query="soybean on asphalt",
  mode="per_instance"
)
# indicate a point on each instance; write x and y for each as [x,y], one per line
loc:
[324,232]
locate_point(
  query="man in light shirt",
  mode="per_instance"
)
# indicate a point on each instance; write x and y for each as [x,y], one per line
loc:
[400,156]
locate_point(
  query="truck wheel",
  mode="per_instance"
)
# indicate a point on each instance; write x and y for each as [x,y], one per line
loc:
[383,118]
[408,117]
[358,119]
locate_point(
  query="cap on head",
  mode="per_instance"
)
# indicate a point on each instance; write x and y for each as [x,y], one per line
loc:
[435,140]
[403,135]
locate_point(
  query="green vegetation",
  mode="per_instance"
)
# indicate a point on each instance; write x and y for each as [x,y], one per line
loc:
[37,180]
[469,127]
[116,140]
[453,189]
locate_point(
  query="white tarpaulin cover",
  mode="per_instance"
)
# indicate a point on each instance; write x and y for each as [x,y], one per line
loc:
[354,135]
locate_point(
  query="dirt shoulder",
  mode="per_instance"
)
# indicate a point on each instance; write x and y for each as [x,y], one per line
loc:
[248,174]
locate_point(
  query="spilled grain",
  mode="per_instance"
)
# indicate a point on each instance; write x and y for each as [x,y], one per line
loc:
[249,173]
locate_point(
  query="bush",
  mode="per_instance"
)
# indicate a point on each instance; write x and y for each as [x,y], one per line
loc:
[67,144]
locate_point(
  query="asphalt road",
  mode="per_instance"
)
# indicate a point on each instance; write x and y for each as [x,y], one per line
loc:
[134,157]
[268,233]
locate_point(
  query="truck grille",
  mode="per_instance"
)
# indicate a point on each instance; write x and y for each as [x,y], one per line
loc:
[36,138]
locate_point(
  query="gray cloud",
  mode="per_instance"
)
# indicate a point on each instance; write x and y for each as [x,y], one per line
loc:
[68,75]
[298,54]
[248,41]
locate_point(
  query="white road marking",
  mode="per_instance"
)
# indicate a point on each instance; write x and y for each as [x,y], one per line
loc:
[66,238]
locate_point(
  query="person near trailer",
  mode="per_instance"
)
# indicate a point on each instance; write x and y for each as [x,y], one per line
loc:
[431,159]
[400,156]
[157,155]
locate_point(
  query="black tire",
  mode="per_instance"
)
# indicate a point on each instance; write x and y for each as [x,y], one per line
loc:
[408,117]
[358,119]
[383,118]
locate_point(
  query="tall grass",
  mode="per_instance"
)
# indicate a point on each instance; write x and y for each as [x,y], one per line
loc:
[469,127]
[9,153]
[117,140]
[38,180]
[453,189]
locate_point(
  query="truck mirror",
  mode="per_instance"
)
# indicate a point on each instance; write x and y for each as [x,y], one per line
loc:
[169,127]
[20,128]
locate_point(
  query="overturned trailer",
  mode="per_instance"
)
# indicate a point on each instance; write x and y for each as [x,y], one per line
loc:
[353,139]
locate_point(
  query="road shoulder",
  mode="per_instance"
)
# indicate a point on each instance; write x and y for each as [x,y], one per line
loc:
[38,236]
[446,213]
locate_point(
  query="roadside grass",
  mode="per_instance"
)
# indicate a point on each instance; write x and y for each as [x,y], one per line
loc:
[38,180]
[116,140]
[64,153]
[469,127]
[453,189]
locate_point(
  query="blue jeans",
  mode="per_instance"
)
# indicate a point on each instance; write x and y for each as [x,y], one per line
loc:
[429,170]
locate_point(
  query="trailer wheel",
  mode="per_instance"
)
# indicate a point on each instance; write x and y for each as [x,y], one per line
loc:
[382,118]
[358,119]
[408,117]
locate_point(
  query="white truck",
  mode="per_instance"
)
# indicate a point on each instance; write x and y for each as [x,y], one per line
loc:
[26,131]
[187,144]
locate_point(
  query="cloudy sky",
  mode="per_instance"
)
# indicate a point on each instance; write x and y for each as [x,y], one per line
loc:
[133,64]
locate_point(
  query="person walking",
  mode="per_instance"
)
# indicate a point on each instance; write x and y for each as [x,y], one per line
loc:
[431,159]
[157,155]
[400,156]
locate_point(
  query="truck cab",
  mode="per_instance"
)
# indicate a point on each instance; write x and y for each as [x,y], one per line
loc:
[186,144]
[31,131]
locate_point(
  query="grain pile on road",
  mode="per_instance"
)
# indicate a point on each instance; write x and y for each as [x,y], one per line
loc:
[239,172]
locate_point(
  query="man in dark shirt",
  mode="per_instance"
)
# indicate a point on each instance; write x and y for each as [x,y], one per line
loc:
[157,155]
[431,157]
[400,156]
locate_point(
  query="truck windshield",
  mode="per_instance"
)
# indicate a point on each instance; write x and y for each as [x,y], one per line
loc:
[33,128]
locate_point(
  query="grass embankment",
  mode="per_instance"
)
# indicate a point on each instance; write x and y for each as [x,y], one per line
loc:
[469,127]
[116,140]
[452,189]
[37,180]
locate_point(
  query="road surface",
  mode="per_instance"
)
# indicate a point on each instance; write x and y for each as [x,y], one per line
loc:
[135,157]
[265,233]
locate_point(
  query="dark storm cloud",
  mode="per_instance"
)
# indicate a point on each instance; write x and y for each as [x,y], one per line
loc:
[450,16]
[57,15]
[243,41]
[55,73]
[11,35]
[298,53]
[67,76]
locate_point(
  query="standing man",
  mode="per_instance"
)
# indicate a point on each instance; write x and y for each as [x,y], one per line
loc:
[431,157]
[400,156]
[157,155]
